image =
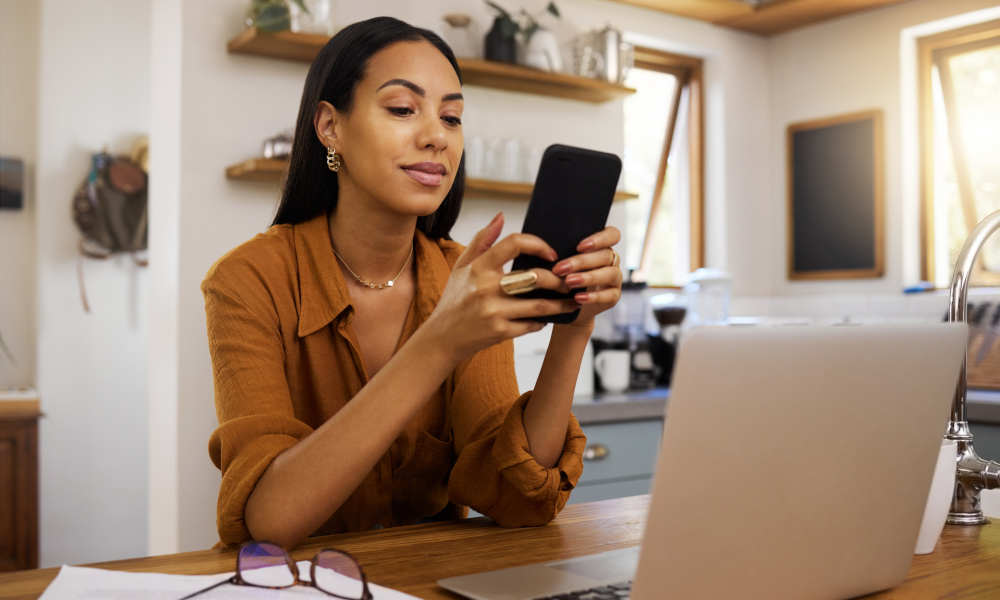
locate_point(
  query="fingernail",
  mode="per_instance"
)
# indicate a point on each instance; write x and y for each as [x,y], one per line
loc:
[495,218]
[563,268]
[586,245]
[582,297]
[574,280]
[553,255]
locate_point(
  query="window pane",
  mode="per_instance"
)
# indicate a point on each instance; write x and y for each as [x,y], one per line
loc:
[976,79]
[646,115]
[669,253]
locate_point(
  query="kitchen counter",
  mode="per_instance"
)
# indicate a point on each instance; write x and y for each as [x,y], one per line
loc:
[624,406]
[21,403]
[983,406]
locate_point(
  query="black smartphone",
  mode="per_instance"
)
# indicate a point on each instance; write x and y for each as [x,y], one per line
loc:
[571,200]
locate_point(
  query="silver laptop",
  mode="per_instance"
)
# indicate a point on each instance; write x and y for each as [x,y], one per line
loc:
[795,463]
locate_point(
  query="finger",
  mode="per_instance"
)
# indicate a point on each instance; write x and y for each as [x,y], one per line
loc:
[549,281]
[482,241]
[603,277]
[525,308]
[606,296]
[518,243]
[519,328]
[602,257]
[605,238]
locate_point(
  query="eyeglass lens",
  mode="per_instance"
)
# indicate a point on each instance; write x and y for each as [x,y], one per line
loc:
[265,565]
[337,573]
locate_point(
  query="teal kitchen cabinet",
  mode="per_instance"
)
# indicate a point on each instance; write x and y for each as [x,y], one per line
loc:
[619,459]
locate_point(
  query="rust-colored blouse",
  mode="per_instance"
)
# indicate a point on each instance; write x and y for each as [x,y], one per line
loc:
[285,359]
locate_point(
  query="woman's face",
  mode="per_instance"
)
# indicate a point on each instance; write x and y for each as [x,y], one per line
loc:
[401,142]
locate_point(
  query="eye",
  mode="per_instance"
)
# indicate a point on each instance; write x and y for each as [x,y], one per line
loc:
[452,120]
[401,111]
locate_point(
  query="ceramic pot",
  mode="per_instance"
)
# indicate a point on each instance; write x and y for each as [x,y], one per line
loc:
[500,46]
[541,52]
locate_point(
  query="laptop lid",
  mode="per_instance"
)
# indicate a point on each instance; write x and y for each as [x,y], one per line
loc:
[796,461]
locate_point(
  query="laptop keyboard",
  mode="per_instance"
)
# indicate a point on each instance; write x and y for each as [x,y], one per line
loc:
[614,591]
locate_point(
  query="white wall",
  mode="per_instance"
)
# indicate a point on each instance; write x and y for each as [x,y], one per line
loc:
[93,91]
[212,109]
[18,98]
[849,64]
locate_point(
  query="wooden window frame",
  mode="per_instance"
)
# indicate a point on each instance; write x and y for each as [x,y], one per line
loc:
[689,72]
[930,49]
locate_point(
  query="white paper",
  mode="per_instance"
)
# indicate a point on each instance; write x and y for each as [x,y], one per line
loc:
[86,583]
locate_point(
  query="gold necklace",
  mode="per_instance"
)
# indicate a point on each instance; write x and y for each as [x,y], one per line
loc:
[368,283]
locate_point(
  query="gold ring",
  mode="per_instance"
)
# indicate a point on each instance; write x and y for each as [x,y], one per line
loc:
[614,257]
[518,282]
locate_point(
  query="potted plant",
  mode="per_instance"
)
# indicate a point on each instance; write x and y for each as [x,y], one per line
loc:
[501,40]
[272,15]
[539,47]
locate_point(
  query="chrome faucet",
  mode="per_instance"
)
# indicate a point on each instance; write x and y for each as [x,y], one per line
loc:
[974,474]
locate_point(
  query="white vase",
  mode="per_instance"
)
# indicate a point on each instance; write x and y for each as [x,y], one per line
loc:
[318,19]
[541,52]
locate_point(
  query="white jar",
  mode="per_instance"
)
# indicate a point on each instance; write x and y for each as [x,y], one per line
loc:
[708,293]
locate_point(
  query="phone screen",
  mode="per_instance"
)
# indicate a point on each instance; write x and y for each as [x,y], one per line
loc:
[570,201]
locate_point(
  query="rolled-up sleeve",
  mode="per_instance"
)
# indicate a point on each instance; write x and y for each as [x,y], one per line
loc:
[495,472]
[252,400]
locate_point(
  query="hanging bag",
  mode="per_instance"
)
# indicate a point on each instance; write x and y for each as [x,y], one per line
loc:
[109,209]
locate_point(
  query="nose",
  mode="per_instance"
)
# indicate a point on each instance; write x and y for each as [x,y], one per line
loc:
[432,134]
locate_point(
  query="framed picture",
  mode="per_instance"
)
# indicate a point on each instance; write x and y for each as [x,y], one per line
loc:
[836,203]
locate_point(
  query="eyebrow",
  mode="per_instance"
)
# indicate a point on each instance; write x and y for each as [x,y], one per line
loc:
[419,90]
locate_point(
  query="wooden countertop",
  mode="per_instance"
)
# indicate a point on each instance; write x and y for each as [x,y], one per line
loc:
[966,563]
[19,404]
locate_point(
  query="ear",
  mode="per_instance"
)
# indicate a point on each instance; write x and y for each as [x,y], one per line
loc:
[325,123]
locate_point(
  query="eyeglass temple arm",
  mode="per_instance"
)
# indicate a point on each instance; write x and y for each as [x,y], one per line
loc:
[211,587]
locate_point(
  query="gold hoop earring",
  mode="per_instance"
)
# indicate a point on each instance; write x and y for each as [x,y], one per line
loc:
[332,159]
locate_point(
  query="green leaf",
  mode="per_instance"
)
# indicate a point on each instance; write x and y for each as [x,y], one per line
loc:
[273,17]
[503,13]
[552,8]
[508,27]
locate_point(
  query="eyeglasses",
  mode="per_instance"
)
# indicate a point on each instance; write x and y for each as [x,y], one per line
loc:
[267,565]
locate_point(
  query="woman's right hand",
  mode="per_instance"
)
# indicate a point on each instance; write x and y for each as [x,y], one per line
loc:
[473,312]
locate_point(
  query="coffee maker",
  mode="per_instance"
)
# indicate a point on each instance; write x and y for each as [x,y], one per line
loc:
[670,311]
[642,368]
[622,330]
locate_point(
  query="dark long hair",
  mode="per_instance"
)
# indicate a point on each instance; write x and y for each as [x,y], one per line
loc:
[311,188]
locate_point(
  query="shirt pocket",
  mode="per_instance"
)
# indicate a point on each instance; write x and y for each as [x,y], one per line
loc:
[420,485]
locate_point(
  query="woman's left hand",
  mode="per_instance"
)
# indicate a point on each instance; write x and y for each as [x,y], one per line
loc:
[593,269]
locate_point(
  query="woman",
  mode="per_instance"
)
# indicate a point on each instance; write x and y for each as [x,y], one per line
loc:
[363,361]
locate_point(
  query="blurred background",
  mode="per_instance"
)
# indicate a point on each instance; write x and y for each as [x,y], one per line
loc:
[785,161]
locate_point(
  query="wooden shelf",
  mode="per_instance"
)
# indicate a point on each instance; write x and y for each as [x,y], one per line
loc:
[258,169]
[517,190]
[272,170]
[288,45]
[516,78]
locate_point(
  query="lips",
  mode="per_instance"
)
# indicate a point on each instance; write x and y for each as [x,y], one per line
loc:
[427,173]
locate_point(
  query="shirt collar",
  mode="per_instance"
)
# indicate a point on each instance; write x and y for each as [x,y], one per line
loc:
[323,293]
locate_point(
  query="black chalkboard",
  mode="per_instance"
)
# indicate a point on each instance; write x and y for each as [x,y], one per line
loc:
[835,203]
